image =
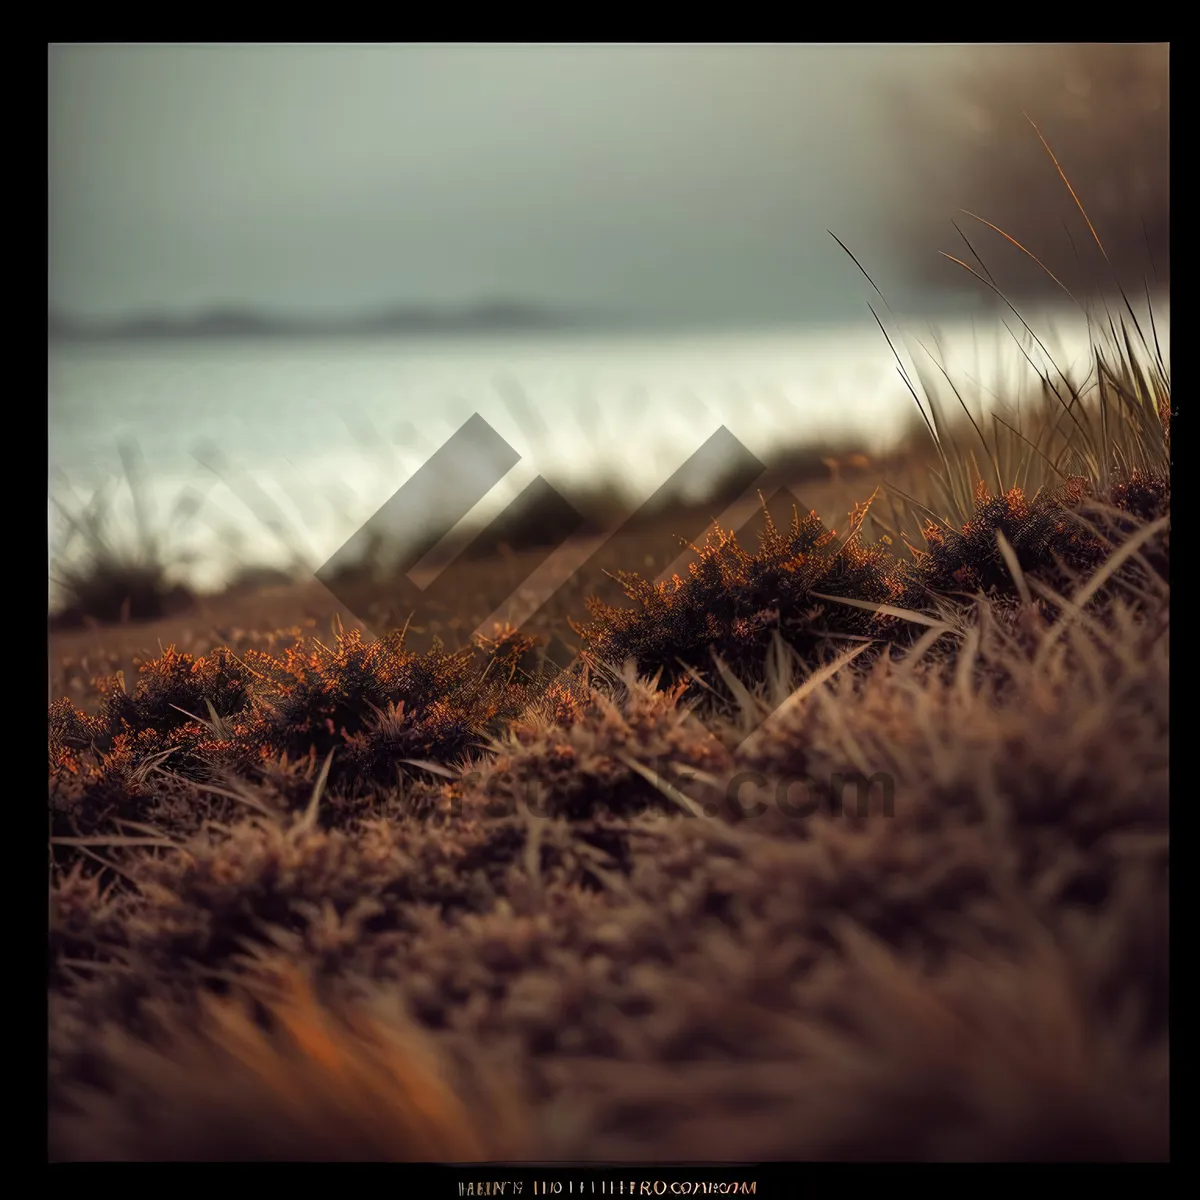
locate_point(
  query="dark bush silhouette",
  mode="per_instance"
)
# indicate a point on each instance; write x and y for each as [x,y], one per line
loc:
[733,600]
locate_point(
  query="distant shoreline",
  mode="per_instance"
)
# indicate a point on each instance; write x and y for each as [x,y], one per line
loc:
[499,318]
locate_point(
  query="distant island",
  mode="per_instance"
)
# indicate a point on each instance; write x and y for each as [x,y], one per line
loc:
[495,317]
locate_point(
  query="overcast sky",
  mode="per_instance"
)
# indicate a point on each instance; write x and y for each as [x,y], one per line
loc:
[668,182]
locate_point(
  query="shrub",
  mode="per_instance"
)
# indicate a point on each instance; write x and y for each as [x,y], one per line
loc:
[99,578]
[733,601]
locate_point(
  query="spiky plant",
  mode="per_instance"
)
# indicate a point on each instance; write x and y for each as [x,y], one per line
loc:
[733,600]
[1095,429]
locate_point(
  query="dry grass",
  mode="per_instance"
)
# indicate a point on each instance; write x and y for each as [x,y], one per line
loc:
[276,1075]
[981,974]
[834,847]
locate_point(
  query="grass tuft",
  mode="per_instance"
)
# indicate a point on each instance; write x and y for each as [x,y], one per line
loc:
[98,578]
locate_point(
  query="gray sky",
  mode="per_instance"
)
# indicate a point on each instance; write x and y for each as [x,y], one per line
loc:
[672,182]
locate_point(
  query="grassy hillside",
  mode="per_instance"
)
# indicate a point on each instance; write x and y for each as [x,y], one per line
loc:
[843,842]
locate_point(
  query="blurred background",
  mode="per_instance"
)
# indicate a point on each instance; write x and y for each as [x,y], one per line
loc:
[287,274]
